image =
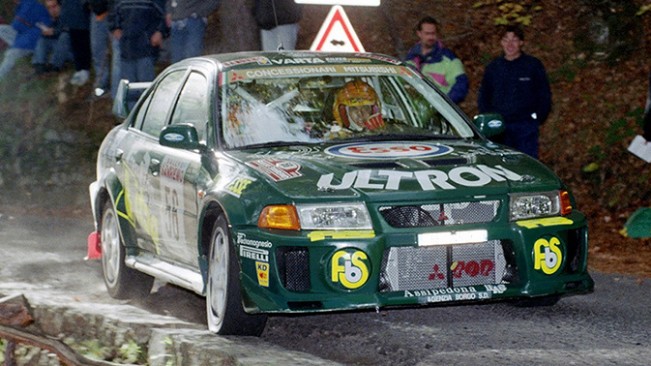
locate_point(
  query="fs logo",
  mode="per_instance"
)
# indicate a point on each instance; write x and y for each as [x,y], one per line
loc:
[349,268]
[547,255]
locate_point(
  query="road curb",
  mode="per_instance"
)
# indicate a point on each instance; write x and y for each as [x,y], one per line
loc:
[168,340]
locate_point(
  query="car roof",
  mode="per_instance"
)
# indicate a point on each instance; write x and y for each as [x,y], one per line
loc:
[247,59]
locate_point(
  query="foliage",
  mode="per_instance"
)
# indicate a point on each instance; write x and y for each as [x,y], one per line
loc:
[92,349]
[615,184]
[130,352]
[512,12]
[643,9]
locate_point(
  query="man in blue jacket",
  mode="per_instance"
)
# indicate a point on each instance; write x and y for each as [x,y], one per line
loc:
[515,85]
[23,33]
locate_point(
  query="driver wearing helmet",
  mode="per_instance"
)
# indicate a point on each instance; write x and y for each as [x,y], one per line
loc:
[357,107]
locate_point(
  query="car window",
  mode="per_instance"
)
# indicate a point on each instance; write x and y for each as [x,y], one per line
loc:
[192,106]
[293,106]
[141,113]
[161,101]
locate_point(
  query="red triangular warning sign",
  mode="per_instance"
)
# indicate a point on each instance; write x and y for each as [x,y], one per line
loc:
[336,34]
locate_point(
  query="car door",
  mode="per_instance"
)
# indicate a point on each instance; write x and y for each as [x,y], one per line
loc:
[182,176]
[143,159]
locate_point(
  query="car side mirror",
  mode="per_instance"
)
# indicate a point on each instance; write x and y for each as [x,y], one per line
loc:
[489,124]
[180,136]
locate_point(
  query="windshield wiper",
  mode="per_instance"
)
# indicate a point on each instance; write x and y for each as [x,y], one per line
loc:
[403,136]
[271,144]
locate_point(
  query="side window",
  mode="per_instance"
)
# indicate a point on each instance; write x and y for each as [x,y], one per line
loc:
[192,106]
[142,112]
[161,101]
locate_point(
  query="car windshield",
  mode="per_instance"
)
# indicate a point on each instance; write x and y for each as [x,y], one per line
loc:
[289,105]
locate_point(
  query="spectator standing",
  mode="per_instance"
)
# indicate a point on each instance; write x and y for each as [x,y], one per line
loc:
[140,27]
[187,20]
[23,33]
[515,85]
[437,62]
[53,48]
[107,73]
[278,22]
[75,17]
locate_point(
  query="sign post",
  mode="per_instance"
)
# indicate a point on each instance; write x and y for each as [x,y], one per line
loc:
[337,34]
[340,2]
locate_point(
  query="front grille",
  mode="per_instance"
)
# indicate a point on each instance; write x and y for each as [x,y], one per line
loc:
[294,268]
[440,214]
[420,268]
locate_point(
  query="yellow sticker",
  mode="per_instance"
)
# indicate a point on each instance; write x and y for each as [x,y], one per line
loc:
[544,222]
[349,268]
[262,270]
[346,234]
[547,255]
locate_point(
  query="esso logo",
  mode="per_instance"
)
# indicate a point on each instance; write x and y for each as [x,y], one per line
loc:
[388,150]
[349,268]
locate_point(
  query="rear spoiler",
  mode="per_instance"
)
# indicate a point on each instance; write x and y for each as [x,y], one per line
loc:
[126,97]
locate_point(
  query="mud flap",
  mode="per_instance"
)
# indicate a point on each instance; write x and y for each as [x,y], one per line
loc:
[94,246]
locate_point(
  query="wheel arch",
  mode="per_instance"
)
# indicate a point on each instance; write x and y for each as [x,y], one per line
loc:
[113,191]
[209,215]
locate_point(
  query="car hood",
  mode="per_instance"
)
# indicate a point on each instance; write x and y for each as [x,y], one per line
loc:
[393,170]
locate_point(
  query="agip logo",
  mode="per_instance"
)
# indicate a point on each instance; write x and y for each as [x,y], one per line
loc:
[547,255]
[349,268]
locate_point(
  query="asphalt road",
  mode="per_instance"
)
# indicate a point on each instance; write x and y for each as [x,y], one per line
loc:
[609,327]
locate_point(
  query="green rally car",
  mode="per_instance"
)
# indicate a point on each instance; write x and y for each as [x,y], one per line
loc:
[292,182]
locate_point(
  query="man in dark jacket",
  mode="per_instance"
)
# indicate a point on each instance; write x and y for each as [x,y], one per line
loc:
[515,85]
[139,25]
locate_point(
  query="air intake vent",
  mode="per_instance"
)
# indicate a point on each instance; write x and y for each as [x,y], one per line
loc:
[458,213]
[294,268]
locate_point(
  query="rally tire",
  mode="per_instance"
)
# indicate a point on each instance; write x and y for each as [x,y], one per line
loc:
[121,281]
[225,313]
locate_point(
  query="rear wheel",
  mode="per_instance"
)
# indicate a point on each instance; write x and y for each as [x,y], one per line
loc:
[121,281]
[225,313]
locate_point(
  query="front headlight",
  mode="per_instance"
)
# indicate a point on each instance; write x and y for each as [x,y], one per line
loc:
[335,216]
[532,205]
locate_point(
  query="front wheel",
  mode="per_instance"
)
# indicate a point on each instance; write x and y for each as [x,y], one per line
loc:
[225,313]
[121,281]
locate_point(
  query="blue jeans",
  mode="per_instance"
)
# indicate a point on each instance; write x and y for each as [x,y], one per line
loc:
[53,51]
[141,69]
[7,34]
[284,35]
[186,38]
[522,136]
[100,36]
[11,56]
